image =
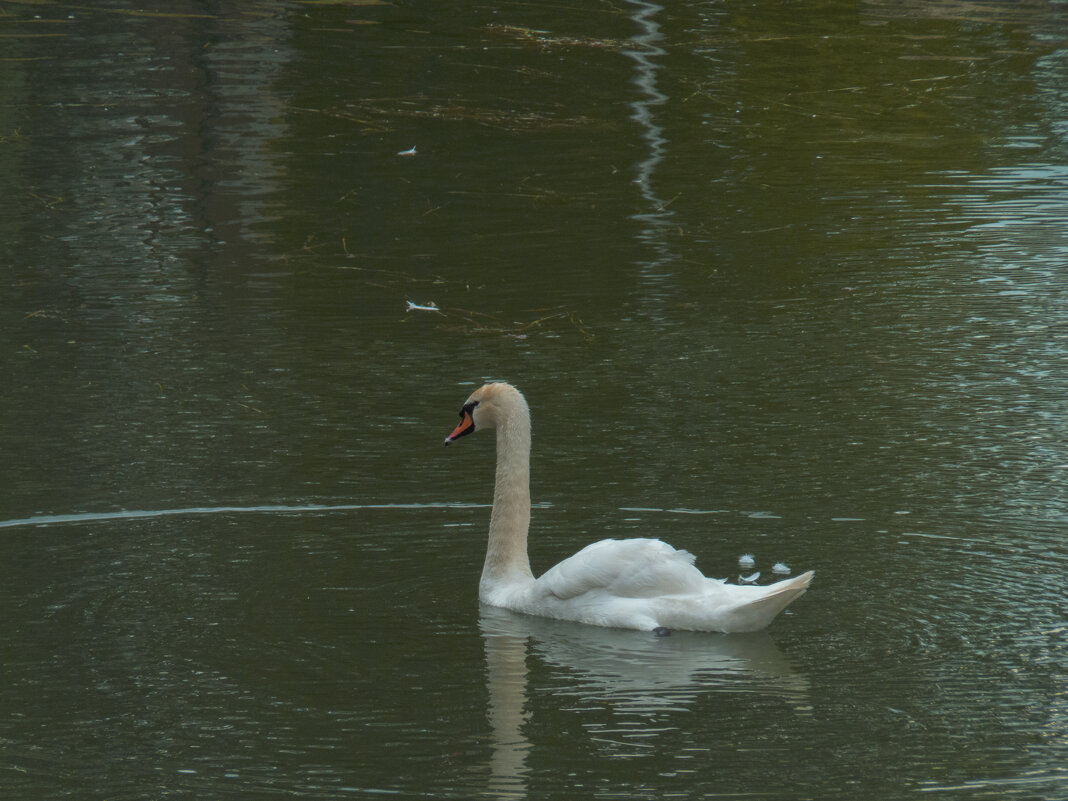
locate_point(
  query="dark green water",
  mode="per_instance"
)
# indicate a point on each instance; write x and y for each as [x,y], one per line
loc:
[787,279]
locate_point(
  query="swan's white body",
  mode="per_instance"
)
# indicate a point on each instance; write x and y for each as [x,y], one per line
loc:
[634,583]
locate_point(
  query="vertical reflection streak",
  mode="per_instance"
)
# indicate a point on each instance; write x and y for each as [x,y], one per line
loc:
[654,217]
[506,680]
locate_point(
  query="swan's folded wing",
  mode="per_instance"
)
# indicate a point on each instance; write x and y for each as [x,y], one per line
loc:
[633,568]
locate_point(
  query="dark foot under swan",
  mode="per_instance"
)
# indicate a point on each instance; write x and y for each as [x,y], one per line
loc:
[634,583]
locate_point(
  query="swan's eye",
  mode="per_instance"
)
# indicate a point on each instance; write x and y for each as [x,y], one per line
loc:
[468,408]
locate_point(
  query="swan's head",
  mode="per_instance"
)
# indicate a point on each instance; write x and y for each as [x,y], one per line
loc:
[487,407]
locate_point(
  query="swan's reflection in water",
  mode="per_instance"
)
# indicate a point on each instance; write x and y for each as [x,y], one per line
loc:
[633,671]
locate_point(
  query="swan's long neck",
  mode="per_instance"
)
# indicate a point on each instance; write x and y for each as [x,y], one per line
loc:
[506,555]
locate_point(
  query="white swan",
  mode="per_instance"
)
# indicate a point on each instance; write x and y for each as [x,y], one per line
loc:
[634,583]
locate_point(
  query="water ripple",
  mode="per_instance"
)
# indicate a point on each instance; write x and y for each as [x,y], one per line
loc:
[139,514]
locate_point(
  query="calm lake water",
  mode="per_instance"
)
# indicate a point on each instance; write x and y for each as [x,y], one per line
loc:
[785,279]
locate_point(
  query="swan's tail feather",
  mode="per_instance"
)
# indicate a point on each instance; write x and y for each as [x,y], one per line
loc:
[758,613]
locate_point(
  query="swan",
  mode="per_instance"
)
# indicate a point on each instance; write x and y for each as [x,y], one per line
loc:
[638,583]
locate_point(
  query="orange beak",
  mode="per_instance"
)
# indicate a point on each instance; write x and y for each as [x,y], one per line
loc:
[467,425]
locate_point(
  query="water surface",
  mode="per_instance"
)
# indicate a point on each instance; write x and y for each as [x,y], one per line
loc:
[787,281]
